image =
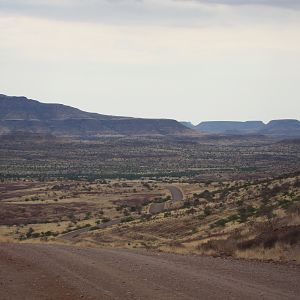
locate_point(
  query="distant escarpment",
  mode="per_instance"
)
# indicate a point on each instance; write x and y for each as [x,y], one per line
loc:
[277,128]
[19,114]
[230,127]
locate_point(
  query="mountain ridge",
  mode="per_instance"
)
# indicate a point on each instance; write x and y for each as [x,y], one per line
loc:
[280,127]
[23,114]
[18,113]
[23,108]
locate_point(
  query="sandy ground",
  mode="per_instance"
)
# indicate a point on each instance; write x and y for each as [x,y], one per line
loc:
[62,272]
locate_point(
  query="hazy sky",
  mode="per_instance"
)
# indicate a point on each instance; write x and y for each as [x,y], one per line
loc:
[184,59]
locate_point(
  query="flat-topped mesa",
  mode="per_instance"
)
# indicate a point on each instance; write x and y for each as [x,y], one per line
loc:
[280,128]
[26,115]
[284,127]
[230,127]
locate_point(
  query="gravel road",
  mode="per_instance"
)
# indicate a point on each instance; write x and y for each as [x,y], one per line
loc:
[44,271]
[176,193]
[155,208]
[75,233]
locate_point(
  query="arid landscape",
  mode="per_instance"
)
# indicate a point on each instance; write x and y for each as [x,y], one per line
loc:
[169,214]
[172,238]
[149,150]
[207,157]
[257,218]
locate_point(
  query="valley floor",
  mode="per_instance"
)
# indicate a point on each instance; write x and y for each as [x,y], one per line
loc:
[40,271]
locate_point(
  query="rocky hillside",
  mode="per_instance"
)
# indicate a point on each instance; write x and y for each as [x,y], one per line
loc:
[22,114]
[22,108]
[253,219]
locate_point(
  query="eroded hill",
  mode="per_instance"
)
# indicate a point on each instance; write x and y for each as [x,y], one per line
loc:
[31,116]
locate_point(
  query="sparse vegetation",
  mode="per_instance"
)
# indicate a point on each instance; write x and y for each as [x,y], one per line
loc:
[253,218]
[240,223]
[131,158]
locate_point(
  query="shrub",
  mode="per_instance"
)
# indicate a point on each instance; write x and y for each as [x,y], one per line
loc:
[284,203]
[127,219]
[232,218]
[88,215]
[246,212]
[186,204]
[266,210]
[269,237]
[206,195]
[196,202]
[35,235]
[221,222]
[167,214]
[221,247]
[160,200]
[240,202]
[29,232]
[270,240]
[207,211]
[191,211]
[105,220]
[146,217]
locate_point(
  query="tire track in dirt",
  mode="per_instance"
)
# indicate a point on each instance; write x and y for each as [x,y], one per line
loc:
[43,271]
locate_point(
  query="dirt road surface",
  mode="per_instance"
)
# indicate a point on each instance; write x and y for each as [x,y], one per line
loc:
[155,208]
[57,272]
[176,193]
[75,233]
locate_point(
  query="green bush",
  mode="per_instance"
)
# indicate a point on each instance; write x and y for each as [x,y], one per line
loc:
[246,212]
[207,211]
[127,219]
[105,220]
[167,214]
[29,232]
[221,222]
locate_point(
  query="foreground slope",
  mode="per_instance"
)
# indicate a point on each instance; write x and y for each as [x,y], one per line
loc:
[258,219]
[59,272]
[31,116]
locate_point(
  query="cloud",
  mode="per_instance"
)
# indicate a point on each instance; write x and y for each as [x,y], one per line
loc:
[279,3]
[195,53]
[107,11]
[153,12]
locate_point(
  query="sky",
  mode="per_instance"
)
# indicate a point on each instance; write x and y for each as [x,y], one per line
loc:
[190,60]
